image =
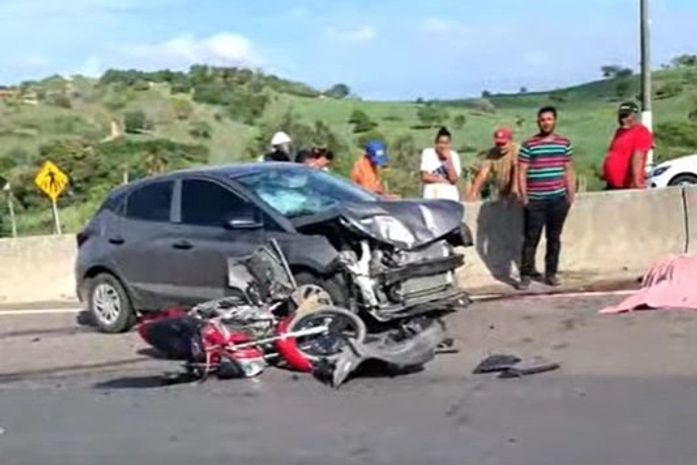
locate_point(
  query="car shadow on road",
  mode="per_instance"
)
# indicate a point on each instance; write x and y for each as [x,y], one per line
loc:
[499,238]
[137,382]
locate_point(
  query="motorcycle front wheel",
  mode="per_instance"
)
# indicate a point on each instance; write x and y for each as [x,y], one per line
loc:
[342,326]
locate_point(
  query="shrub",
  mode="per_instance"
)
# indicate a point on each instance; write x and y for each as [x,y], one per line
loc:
[135,122]
[338,91]
[431,115]
[669,90]
[459,121]
[676,139]
[361,122]
[200,130]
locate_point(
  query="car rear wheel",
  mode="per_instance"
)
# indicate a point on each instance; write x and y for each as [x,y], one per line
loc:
[683,180]
[109,304]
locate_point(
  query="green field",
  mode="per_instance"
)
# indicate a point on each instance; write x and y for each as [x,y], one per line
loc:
[68,120]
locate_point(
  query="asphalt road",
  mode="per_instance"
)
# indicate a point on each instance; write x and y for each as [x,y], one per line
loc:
[624,395]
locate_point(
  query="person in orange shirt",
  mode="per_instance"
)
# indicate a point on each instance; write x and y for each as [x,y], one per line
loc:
[366,170]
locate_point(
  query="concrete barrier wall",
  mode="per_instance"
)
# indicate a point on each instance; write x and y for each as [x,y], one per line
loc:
[608,236]
[37,269]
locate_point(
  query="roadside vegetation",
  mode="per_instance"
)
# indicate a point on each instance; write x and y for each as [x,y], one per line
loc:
[130,124]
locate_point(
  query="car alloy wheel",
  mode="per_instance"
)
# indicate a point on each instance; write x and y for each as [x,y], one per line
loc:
[107,303]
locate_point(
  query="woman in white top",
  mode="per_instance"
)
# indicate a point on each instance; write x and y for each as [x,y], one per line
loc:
[440,169]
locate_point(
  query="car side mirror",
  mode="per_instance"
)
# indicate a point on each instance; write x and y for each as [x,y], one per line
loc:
[247,219]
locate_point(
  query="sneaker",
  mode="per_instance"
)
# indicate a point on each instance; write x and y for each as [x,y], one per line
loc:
[524,283]
[552,280]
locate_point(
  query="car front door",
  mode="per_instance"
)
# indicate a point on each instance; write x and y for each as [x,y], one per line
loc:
[142,245]
[213,224]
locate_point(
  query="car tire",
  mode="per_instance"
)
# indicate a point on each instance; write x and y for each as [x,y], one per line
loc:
[109,305]
[333,285]
[683,179]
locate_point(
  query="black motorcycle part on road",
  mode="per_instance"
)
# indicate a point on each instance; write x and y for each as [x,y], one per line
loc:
[173,336]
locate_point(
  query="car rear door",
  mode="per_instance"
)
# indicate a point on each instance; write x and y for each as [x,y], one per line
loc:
[205,241]
[143,245]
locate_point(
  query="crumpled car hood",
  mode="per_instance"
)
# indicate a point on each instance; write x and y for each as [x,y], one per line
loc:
[427,220]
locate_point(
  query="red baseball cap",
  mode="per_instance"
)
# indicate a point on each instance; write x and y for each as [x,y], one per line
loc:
[503,136]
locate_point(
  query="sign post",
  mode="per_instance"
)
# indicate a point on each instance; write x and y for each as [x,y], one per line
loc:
[7,188]
[52,181]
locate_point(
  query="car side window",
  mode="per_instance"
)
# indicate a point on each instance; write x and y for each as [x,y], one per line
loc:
[205,203]
[152,202]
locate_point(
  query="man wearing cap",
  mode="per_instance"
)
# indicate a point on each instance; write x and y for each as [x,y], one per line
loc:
[499,166]
[366,170]
[625,162]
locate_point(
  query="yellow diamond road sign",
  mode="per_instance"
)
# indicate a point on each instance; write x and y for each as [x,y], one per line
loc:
[51,180]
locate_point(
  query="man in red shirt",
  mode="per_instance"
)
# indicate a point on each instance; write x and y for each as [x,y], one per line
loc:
[625,162]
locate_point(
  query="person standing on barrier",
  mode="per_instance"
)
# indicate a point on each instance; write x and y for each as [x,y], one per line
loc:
[547,190]
[625,162]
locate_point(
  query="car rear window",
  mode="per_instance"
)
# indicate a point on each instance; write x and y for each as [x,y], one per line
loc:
[152,202]
[114,203]
[207,204]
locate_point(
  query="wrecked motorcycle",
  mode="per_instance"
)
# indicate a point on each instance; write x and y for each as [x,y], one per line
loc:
[269,319]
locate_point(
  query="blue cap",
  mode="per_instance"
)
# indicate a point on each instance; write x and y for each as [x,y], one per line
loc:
[377,153]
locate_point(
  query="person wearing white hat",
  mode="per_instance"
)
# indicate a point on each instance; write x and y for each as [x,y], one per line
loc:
[280,148]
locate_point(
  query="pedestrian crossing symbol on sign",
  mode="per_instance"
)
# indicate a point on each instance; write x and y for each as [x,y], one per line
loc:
[51,180]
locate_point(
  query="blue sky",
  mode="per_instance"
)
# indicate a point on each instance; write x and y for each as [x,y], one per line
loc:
[386,49]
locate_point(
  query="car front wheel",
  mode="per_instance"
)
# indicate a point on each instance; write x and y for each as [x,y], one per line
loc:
[109,304]
[683,180]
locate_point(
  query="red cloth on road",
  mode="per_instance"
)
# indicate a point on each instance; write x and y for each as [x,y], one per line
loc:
[671,284]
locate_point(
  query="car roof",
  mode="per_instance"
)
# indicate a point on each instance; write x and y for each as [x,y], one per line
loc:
[222,172]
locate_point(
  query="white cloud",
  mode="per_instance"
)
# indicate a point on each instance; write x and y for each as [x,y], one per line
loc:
[224,49]
[358,34]
[438,25]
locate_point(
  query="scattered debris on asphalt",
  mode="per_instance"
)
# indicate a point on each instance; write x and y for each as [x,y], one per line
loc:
[512,366]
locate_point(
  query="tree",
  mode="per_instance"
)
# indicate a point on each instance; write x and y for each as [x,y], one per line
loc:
[338,91]
[459,121]
[685,61]
[361,121]
[610,71]
[486,94]
[624,73]
[431,115]
[523,90]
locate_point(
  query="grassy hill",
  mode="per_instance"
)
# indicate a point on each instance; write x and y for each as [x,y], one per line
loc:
[130,124]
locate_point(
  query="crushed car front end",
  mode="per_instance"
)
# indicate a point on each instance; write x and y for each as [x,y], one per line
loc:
[400,258]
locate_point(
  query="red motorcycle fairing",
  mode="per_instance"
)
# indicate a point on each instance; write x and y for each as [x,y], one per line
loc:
[287,348]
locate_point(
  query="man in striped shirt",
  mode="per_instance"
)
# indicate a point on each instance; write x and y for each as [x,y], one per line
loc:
[547,190]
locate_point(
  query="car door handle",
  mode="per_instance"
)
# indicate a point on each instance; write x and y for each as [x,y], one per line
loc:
[116,240]
[183,245]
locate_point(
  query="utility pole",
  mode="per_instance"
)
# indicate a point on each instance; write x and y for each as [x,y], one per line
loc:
[646,87]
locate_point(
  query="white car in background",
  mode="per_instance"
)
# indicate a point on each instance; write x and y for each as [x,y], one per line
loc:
[677,172]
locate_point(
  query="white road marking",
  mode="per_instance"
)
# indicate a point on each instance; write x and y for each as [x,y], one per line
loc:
[46,311]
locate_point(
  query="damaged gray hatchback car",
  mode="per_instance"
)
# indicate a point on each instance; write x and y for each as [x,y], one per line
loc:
[166,242]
